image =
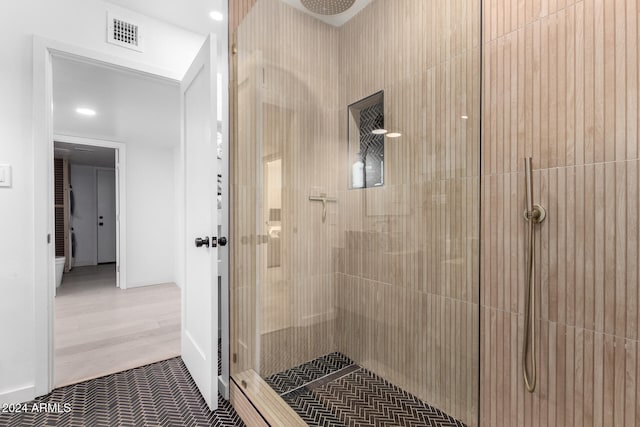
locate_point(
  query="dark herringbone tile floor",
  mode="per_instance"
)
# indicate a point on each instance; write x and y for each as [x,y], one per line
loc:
[332,391]
[160,394]
[328,391]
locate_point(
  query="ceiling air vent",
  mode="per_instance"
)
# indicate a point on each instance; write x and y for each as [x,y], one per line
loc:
[124,32]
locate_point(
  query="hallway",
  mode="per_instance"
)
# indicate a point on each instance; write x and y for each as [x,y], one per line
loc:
[101,329]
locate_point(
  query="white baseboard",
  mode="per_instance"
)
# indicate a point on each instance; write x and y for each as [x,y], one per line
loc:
[223,387]
[19,395]
[151,283]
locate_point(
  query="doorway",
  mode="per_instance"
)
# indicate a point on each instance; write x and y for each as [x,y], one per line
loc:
[112,315]
[196,112]
[89,192]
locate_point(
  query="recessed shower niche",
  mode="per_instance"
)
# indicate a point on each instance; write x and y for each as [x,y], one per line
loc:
[366,135]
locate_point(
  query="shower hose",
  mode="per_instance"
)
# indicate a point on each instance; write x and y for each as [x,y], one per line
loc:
[529,314]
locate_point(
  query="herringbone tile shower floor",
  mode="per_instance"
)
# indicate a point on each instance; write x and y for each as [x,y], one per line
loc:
[333,391]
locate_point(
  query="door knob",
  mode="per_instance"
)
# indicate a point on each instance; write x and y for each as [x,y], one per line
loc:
[202,242]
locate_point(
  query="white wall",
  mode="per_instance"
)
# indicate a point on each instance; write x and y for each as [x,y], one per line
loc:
[79,22]
[83,183]
[151,214]
[151,217]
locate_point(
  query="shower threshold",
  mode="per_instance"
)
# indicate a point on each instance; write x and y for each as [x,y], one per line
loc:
[332,390]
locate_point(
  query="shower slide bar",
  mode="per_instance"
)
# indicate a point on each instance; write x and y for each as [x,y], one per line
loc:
[534,214]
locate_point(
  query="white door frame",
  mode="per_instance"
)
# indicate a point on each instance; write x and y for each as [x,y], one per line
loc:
[44,266]
[121,197]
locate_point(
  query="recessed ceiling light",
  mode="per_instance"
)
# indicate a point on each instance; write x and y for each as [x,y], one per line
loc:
[86,111]
[464,117]
[216,16]
[379,131]
[394,135]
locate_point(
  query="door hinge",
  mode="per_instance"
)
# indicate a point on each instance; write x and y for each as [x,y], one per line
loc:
[48,238]
[235,358]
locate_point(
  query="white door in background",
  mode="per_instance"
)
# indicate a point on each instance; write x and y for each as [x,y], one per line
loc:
[106,214]
[201,168]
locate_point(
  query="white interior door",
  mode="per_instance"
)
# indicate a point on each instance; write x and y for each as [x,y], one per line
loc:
[106,214]
[200,293]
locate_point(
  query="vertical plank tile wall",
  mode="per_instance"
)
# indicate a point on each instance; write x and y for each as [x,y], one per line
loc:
[560,83]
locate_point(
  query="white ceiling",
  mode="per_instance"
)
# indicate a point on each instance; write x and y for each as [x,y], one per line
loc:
[192,15]
[129,107]
[335,20]
[85,154]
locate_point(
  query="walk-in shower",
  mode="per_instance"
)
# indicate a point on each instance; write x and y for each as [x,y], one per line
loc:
[405,268]
[356,263]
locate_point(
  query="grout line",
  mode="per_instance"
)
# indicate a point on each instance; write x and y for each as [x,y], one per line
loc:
[555,322]
[526,24]
[520,171]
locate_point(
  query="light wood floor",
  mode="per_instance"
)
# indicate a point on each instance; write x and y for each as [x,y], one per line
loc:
[100,329]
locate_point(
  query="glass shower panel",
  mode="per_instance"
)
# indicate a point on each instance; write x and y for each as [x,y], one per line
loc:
[365,283]
[286,151]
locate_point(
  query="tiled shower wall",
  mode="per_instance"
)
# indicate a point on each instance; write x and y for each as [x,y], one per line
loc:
[407,263]
[560,84]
